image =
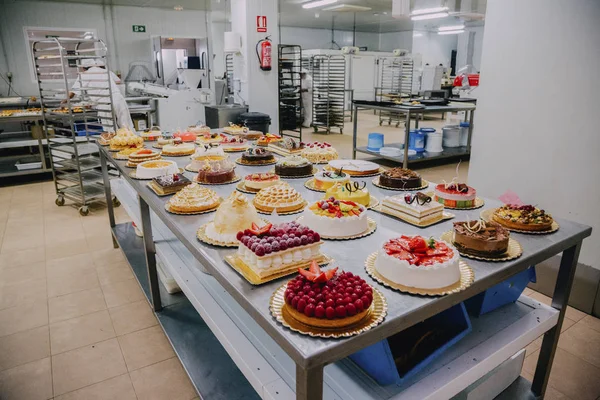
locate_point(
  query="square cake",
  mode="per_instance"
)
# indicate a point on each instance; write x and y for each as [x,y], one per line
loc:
[417,209]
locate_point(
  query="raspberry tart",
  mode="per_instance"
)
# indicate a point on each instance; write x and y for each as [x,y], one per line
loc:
[523,218]
[420,263]
[328,299]
[337,218]
[455,195]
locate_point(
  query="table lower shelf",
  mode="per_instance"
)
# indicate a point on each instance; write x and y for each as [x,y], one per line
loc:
[448,152]
[495,337]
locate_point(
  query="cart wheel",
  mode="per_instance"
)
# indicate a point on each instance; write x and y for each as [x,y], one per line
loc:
[397,124]
[60,201]
[341,131]
[315,129]
[83,211]
[380,122]
[116,202]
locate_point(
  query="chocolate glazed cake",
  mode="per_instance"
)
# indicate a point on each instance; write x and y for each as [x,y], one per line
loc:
[480,238]
[400,178]
[257,156]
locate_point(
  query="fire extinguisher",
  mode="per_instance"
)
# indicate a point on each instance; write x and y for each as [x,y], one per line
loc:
[264,57]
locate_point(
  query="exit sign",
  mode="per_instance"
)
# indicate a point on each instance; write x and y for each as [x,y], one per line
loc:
[139,28]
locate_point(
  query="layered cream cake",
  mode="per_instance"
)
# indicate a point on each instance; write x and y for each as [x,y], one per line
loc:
[260,181]
[326,179]
[352,191]
[336,218]
[414,208]
[455,195]
[235,214]
[418,262]
[154,168]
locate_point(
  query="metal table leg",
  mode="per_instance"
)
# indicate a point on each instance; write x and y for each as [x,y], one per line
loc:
[354,129]
[406,135]
[562,290]
[309,383]
[150,254]
[471,113]
[108,194]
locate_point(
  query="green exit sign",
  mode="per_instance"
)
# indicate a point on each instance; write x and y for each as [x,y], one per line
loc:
[139,28]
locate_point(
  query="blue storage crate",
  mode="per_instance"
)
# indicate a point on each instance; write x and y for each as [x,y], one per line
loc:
[94,128]
[503,293]
[378,360]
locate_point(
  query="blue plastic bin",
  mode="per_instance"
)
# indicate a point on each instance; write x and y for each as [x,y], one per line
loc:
[94,128]
[503,293]
[378,360]
[416,141]
[375,141]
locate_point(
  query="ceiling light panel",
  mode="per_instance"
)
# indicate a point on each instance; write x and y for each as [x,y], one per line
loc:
[451,32]
[319,3]
[347,8]
[429,16]
[429,10]
[451,28]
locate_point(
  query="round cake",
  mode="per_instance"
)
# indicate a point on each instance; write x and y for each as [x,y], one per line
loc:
[234,144]
[142,155]
[328,299]
[154,168]
[352,191]
[208,137]
[193,198]
[257,156]
[217,171]
[319,153]
[281,197]
[199,129]
[326,179]
[264,140]
[400,178]
[479,238]
[161,142]
[336,218]
[525,218]
[151,134]
[249,135]
[455,195]
[181,149]
[294,165]
[205,153]
[256,182]
[419,263]
[185,136]
[354,167]
[124,139]
[235,214]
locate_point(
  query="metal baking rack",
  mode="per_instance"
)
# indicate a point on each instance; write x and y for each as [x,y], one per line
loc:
[74,121]
[290,99]
[329,84]
[229,73]
[396,83]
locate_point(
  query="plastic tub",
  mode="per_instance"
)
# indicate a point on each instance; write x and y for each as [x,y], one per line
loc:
[375,142]
[416,141]
[451,136]
[256,121]
[434,142]
[414,348]
[391,151]
[464,133]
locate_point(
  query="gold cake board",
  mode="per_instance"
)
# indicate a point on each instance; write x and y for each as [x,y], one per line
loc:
[243,269]
[514,249]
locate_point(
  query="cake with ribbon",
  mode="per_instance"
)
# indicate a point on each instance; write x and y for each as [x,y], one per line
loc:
[455,195]
[326,179]
[235,214]
[334,218]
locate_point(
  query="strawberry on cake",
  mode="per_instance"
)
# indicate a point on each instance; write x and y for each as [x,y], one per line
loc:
[417,262]
[319,153]
[337,218]
[328,299]
[455,195]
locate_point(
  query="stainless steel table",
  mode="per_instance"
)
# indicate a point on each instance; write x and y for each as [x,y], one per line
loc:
[311,354]
[409,112]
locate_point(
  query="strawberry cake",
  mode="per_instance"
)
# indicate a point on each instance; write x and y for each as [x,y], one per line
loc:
[319,153]
[185,136]
[328,299]
[337,218]
[455,195]
[417,262]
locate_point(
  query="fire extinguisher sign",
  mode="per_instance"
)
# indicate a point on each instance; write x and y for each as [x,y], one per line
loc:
[261,23]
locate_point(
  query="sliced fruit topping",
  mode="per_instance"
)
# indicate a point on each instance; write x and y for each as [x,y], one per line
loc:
[256,230]
[418,251]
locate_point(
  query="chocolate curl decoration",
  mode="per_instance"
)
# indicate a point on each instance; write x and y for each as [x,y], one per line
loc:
[420,197]
[355,186]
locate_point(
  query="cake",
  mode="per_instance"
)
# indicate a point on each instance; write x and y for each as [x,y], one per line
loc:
[256,182]
[480,238]
[142,155]
[352,191]
[286,146]
[248,134]
[276,248]
[336,218]
[319,153]
[235,214]
[524,218]
[125,153]
[264,140]
[105,137]
[215,172]
[185,136]
[199,129]
[193,199]
[154,168]
[178,149]
[417,209]
[234,129]
[400,178]
[205,153]
[293,166]
[281,197]
[455,195]
[328,299]
[417,262]
[169,184]
[162,141]
[257,156]
[325,179]
[210,137]
[151,134]
[124,138]
[234,144]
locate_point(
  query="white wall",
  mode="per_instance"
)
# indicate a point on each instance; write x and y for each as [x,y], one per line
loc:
[396,40]
[129,46]
[463,42]
[544,149]
[435,49]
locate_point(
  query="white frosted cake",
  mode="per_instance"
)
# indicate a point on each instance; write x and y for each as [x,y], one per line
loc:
[204,153]
[235,214]
[335,219]
[417,262]
[154,168]
[415,208]
[180,149]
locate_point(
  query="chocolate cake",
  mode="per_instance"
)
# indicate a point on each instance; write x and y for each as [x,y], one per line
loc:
[221,171]
[169,184]
[257,156]
[480,238]
[293,166]
[400,178]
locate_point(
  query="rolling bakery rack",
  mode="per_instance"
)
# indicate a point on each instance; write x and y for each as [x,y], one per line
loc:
[232,348]
[73,153]
[396,83]
[329,84]
[290,99]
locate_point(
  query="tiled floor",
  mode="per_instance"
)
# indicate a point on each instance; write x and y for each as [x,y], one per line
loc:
[75,325]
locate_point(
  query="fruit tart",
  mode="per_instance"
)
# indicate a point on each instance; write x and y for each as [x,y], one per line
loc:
[524,218]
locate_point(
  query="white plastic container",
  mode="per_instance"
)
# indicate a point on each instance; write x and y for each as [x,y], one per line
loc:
[391,151]
[434,142]
[451,136]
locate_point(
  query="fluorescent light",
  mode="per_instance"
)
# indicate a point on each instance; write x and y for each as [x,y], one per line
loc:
[429,10]
[319,3]
[451,32]
[429,16]
[451,28]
